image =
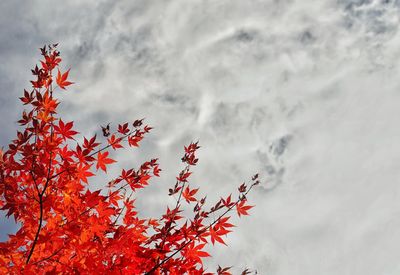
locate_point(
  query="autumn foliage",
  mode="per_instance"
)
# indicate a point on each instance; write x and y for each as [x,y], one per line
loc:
[67,227]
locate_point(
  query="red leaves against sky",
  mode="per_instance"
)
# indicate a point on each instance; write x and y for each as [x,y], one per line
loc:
[68,228]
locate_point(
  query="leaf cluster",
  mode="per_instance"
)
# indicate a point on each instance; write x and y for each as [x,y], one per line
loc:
[68,229]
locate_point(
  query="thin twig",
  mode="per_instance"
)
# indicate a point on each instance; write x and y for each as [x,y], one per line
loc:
[198,234]
[37,231]
[49,257]
[41,194]
[122,210]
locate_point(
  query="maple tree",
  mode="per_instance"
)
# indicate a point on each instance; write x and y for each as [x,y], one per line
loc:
[65,227]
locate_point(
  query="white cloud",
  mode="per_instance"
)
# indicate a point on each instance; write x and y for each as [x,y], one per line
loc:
[305,92]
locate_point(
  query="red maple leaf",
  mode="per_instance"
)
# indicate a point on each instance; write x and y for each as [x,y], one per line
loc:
[83,172]
[102,161]
[114,142]
[123,128]
[62,79]
[189,194]
[241,208]
[65,129]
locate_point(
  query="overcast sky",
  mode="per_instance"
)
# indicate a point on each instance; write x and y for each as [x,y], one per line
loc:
[307,93]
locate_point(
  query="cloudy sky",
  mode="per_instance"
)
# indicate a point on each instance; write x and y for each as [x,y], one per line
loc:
[307,93]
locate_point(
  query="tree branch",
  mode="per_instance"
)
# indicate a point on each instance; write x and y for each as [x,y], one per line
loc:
[242,197]
[41,194]
[38,230]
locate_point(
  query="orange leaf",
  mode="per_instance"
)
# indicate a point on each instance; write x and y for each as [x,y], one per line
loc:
[62,79]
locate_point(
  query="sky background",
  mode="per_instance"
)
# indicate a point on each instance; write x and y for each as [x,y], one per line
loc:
[307,93]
